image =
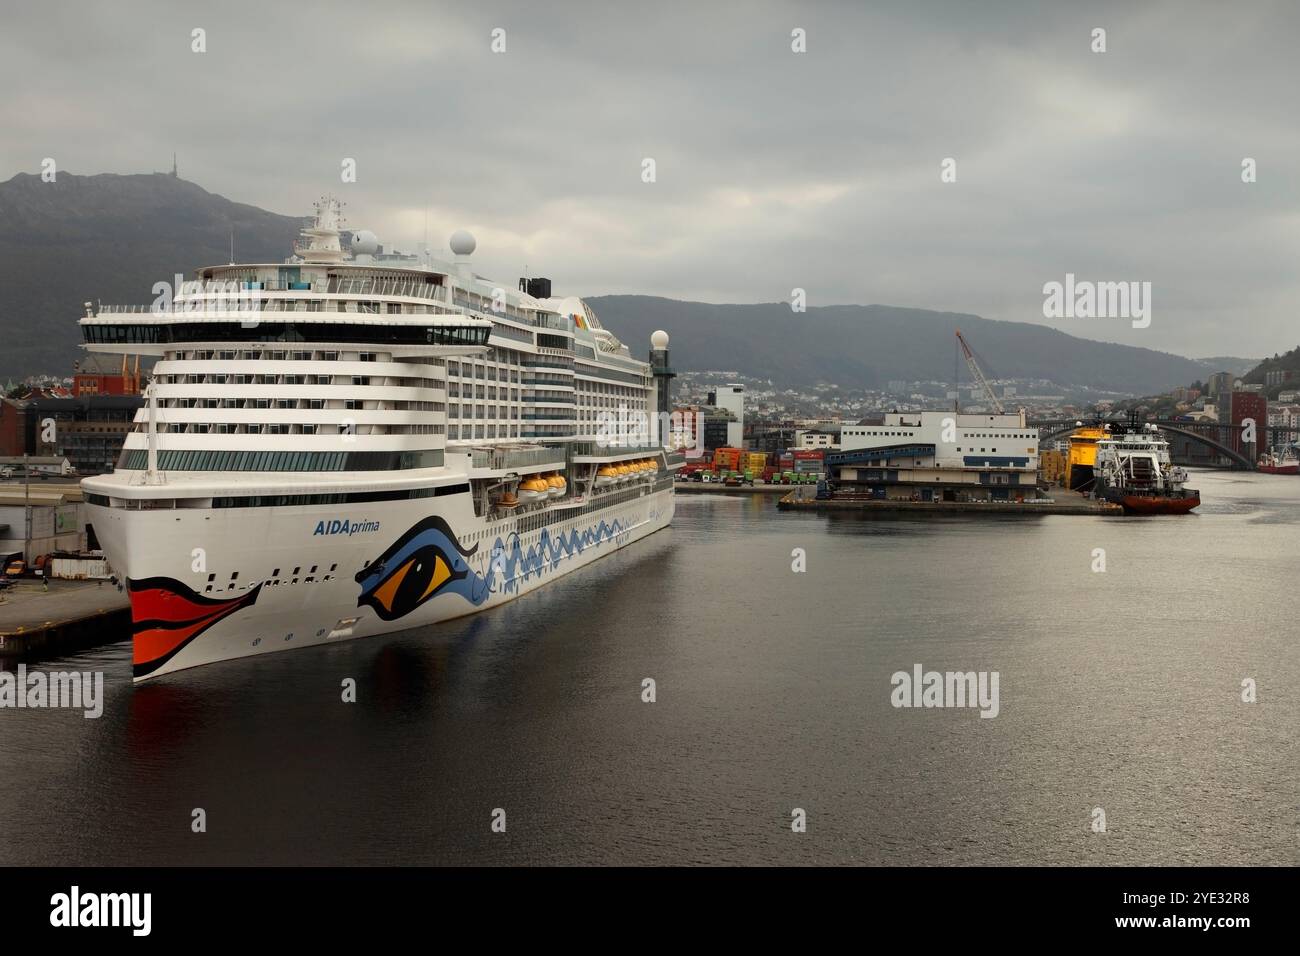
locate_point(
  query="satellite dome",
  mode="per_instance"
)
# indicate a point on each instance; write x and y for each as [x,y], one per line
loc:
[659,339]
[365,243]
[462,243]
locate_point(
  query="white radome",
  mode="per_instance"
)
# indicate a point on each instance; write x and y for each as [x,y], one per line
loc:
[659,339]
[365,243]
[463,242]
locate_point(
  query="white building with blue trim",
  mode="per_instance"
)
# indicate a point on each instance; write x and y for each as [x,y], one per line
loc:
[937,456]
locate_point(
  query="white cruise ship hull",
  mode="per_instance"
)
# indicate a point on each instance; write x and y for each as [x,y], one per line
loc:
[210,585]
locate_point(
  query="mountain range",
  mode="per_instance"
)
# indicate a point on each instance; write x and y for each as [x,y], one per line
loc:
[111,237]
[869,346]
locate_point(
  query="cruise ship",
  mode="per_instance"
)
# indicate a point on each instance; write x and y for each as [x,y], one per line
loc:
[357,441]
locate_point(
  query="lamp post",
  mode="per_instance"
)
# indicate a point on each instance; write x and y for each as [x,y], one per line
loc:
[27,506]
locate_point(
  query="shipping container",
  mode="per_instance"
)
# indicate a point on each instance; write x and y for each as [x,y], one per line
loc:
[728,458]
[79,567]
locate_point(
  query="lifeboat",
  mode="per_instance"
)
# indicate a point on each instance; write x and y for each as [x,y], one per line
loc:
[508,500]
[533,489]
[606,476]
[625,472]
[557,484]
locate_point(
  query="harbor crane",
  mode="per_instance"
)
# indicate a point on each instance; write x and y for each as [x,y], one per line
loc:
[977,375]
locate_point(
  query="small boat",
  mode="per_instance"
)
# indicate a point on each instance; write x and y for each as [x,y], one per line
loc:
[508,500]
[558,486]
[1287,462]
[605,476]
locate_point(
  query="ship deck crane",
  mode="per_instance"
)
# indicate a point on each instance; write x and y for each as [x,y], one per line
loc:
[977,375]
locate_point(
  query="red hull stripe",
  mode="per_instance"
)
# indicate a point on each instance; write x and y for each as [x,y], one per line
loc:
[166,615]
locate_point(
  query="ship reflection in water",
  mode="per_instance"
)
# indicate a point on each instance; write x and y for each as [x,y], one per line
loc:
[1119,689]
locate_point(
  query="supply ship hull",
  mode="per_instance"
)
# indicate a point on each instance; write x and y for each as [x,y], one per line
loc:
[1153,504]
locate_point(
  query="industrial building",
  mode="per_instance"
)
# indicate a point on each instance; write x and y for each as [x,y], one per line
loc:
[937,456]
[40,520]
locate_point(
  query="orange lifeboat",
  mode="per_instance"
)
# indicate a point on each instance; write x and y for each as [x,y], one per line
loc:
[533,489]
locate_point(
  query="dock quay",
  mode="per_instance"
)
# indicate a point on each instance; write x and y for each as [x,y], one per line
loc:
[71,616]
[1059,502]
[717,487]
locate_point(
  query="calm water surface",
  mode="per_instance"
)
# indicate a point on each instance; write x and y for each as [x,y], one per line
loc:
[1119,690]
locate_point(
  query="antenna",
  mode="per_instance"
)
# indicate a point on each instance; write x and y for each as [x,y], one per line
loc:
[232,244]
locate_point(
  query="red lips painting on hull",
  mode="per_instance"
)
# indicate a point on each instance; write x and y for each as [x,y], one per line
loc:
[166,615]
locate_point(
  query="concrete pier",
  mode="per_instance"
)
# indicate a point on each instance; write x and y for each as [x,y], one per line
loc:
[700,487]
[1062,503]
[71,616]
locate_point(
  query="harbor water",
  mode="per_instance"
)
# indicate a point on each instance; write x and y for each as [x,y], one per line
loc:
[1122,648]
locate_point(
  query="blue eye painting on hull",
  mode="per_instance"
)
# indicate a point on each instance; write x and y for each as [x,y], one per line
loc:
[428,561]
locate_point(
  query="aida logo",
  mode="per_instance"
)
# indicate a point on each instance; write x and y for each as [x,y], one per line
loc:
[343,526]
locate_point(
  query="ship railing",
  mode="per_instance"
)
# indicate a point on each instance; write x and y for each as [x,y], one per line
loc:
[415,288]
[125,309]
[485,306]
[515,457]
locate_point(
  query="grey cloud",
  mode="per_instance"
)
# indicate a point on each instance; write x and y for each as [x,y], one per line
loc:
[775,170]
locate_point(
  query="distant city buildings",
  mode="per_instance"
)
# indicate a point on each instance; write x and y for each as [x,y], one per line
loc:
[98,375]
[89,431]
[732,398]
[1238,407]
[1219,383]
[817,438]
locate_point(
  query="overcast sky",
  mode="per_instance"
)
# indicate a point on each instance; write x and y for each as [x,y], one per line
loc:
[775,169]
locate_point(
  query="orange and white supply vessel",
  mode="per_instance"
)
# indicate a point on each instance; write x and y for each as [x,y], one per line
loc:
[357,441]
[1133,469]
